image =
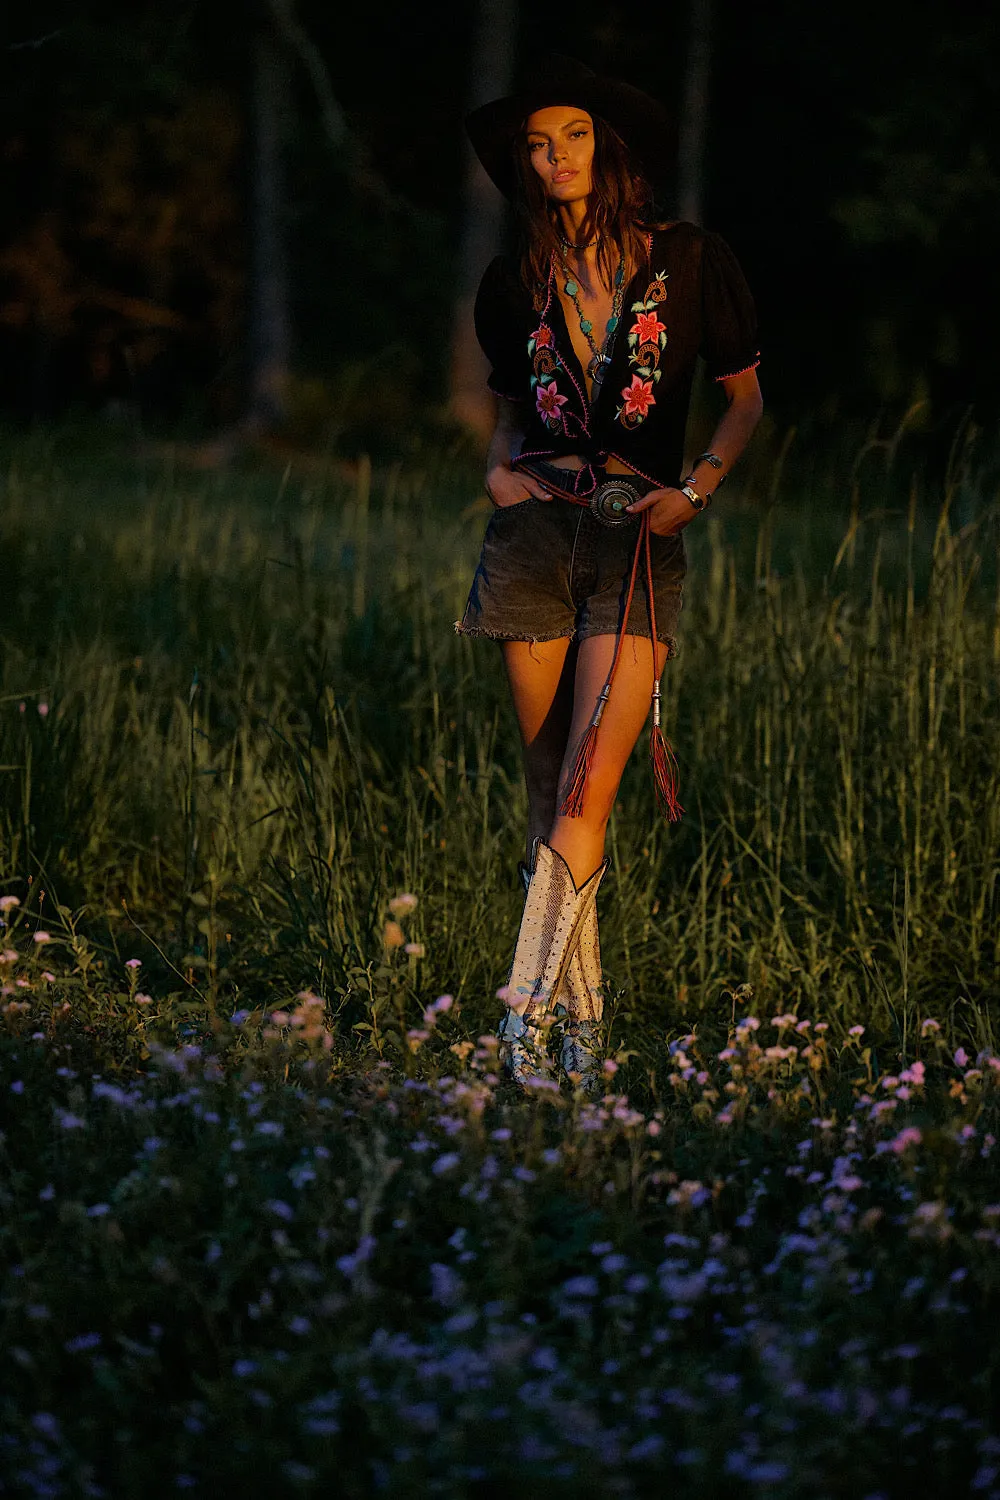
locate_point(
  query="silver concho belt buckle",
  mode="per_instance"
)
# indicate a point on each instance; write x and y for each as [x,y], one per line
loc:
[609,500]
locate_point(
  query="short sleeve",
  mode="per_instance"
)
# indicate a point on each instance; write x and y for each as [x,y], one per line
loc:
[497,324]
[728,316]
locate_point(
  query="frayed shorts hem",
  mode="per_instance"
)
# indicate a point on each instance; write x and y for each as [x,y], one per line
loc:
[481,632]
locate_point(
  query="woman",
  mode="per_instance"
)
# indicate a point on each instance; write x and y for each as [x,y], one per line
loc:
[593,336]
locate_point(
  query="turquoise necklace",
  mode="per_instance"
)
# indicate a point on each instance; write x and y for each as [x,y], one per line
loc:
[600,354]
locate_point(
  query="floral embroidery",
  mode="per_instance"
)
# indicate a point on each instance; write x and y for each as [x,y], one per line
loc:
[544,362]
[638,399]
[647,328]
[548,401]
[556,410]
[646,340]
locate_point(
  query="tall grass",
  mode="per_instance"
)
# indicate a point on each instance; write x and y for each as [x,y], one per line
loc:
[258,1244]
[260,723]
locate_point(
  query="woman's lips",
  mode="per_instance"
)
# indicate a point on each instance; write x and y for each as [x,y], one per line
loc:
[563,176]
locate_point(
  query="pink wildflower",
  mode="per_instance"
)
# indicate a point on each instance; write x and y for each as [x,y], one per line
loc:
[42,937]
[911,1136]
[961,1057]
[6,902]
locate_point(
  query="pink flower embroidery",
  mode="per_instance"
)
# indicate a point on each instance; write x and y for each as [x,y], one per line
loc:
[647,328]
[542,337]
[638,397]
[548,400]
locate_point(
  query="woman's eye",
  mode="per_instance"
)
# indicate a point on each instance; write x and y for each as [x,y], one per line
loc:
[535,145]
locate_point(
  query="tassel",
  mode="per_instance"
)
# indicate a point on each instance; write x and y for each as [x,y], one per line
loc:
[572,803]
[666,774]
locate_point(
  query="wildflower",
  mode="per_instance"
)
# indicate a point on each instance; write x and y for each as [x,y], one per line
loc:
[69,1121]
[133,963]
[581,1286]
[781,1022]
[445,1163]
[609,1067]
[82,1342]
[403,904]
[8,902]
[928,1026]
[961,1057]
[280,1209]
[446,1285]
[415,1038]
[913,1074]
[415,950]
[41,937]
[393,935]
[43,710]
[139,999]
[349,1264]
[856,1031]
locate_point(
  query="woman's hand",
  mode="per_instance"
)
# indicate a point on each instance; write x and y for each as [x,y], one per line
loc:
[670,511]
[504,487]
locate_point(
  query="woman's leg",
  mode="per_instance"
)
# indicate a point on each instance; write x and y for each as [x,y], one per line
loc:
[580,840]
[541,675]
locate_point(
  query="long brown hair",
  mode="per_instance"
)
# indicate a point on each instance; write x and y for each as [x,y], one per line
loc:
[618,210]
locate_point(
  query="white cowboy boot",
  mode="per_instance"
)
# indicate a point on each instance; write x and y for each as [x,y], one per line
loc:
[554,910]
[580,999]
[582,1030]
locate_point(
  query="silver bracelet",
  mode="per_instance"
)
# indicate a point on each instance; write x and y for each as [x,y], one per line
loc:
[698,501]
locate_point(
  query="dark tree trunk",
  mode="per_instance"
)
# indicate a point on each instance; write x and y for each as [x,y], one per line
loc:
[490,72]
[691,147]
[269,319]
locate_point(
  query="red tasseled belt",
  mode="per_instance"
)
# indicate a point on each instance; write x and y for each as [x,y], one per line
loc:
[609,509]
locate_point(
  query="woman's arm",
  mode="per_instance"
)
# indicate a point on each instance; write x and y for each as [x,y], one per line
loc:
[671,511]
[744,407]
[503,486]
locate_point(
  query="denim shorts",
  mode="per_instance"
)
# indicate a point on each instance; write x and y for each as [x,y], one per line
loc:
[550,568]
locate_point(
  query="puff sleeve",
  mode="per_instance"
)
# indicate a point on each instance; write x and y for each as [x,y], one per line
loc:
[728,316]
[497,323]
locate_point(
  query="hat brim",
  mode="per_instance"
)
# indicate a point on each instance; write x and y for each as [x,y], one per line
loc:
[641,121]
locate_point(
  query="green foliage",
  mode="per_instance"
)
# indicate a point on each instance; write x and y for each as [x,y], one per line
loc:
[265,1207]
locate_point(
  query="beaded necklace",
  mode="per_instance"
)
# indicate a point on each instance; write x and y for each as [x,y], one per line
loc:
[600,354]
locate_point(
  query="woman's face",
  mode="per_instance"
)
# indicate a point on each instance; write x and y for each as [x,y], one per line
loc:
[561,150]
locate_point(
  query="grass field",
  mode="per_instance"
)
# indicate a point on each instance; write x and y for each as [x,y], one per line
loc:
[259,1235]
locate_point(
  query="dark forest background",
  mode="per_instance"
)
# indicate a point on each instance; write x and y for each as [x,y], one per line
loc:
[852,159]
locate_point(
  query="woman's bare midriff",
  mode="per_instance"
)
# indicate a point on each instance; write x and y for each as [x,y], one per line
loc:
[574,461]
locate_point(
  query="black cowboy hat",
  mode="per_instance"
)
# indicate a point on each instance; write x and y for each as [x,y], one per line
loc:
[643,123]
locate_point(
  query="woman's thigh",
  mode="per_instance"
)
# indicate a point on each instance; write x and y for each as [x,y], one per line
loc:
[625,713]
[541,677]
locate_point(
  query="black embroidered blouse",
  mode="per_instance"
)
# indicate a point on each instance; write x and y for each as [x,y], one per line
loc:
[690,299]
